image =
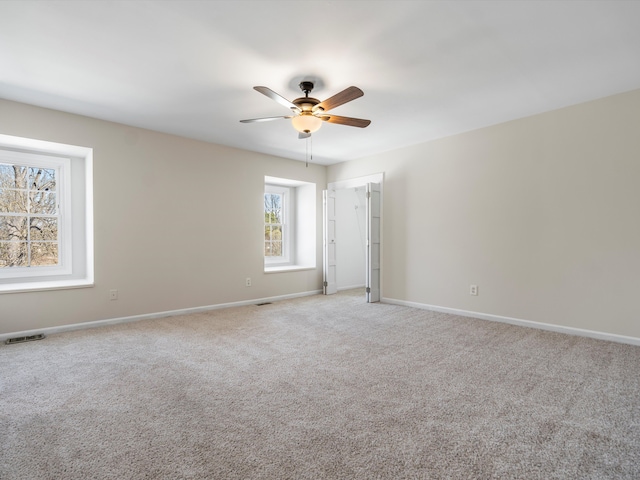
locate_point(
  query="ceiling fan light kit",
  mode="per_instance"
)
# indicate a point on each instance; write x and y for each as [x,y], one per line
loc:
[306,123]
[309,112]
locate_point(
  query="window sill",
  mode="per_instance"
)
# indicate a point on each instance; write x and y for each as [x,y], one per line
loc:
[40,286]
[287,268]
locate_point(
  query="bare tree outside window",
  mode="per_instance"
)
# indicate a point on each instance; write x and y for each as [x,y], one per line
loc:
[273,224]
[29,219]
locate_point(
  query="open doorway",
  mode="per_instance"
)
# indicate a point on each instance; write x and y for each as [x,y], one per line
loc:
[351,211]
[352,239]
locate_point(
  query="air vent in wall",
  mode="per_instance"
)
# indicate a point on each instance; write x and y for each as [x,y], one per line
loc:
[30,338]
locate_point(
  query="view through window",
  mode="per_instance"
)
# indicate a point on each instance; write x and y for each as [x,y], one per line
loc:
[29,216]
[274,224]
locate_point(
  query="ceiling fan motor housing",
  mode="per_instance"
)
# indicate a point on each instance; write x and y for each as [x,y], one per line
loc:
[306,103]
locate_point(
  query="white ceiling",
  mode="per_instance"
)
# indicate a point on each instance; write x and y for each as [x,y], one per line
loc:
[428,68]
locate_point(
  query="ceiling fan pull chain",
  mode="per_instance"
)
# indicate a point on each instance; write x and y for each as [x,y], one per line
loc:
[309,152]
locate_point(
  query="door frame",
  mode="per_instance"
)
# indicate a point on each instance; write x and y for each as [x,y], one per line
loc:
[362,182]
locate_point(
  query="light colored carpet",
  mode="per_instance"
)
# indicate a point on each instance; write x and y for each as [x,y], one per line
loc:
[319,387]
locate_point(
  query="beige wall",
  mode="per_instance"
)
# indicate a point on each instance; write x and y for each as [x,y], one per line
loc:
[542,213]
[177,223]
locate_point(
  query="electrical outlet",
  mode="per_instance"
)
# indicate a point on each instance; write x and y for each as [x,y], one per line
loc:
[473,289]
[113,294]
[247,282]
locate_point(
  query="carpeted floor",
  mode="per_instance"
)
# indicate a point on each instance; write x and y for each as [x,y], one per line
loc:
[319,387]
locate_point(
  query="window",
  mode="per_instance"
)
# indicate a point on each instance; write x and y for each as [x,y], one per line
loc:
[278,206]
[289,225]
[45,215]
[32,214]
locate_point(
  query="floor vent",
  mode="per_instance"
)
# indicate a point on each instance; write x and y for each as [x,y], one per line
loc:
[261,304]
[30,338]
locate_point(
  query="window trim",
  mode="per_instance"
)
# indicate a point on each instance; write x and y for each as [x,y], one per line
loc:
[78,222]
[303,240]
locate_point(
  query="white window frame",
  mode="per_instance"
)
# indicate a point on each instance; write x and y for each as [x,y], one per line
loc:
[74,186]
[62,166]
[288,207]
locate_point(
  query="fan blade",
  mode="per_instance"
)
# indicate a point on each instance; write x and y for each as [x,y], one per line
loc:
[352,122]
[265,119]
[338,99]
[278,98]
[302,135]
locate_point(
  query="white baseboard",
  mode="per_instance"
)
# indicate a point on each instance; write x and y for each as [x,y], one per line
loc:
[519,322]
[146,316]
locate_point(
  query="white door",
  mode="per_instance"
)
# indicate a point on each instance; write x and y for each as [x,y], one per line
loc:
[329,242]
[373,242]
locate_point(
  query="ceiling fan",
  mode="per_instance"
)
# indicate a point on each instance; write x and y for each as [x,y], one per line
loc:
[309,113]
